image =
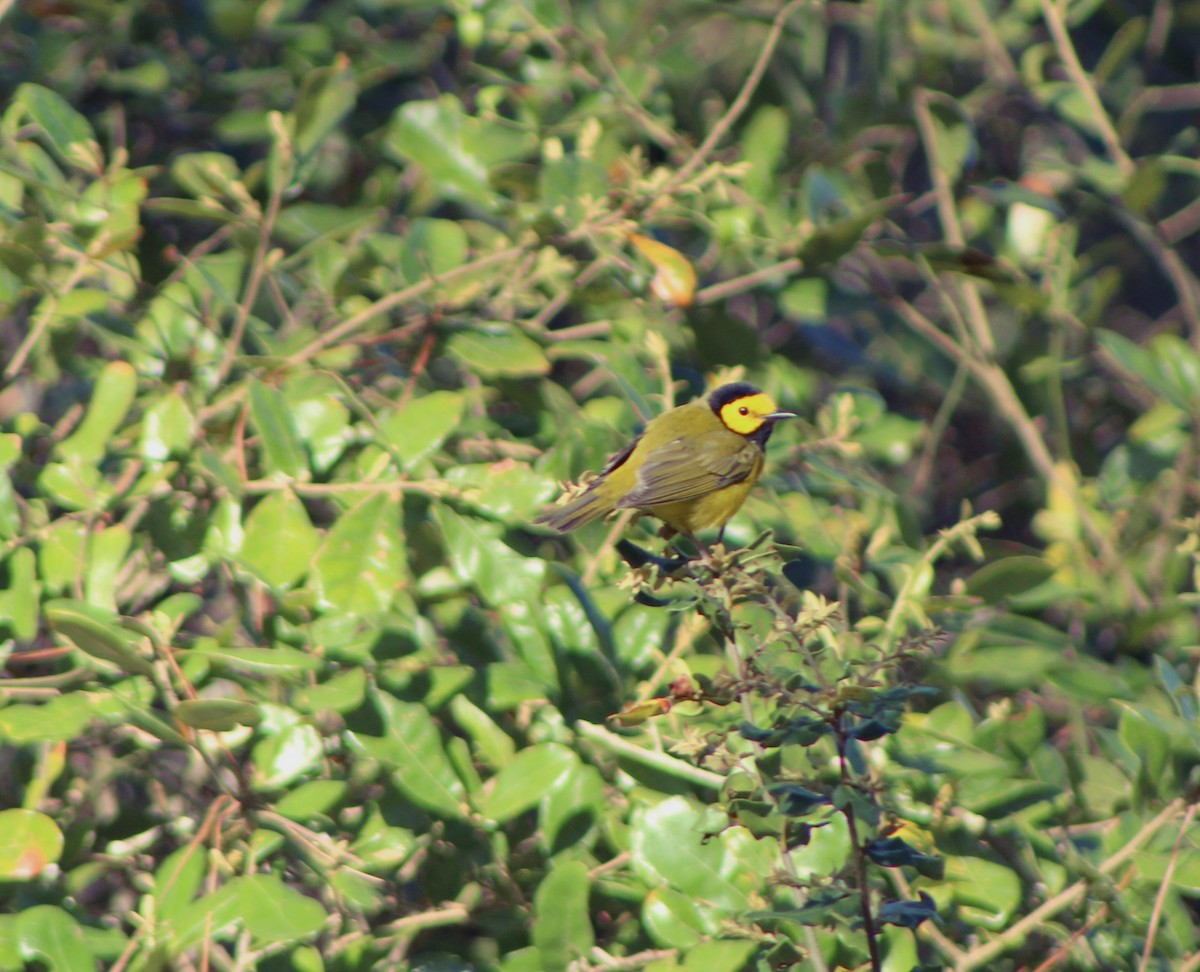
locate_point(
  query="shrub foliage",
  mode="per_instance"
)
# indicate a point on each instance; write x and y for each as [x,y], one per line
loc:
[307,310]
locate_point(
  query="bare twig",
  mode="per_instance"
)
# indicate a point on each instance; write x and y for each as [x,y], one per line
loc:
[984,955]
[739,103]
[1066,51]
[1163,887]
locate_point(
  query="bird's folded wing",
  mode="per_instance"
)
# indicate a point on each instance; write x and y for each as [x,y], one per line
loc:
[688,469]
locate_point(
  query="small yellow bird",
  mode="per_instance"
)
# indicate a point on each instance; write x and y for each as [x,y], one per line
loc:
[691,467]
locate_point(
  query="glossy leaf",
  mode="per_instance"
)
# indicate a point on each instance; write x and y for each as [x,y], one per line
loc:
[279,540]
[562,928]
[361,563]
[29,842]
[413,752]
[94,632]
[523,782]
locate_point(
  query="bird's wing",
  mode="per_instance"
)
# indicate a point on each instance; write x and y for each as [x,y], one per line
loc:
[685,469]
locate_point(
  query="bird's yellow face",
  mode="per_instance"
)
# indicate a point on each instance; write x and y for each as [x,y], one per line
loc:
[745,415]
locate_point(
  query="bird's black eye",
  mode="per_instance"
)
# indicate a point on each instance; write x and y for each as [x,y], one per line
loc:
[743,410]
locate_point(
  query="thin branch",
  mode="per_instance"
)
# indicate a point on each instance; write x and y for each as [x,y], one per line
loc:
[51,301]
[740,102]
[1014,935]
[948,215]
[999,389]
[1066,52]
[1163,887]
[748,281]
[660,761]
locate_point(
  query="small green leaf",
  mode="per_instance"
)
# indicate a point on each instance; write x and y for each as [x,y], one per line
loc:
[177,880]
[106,556]
[282,758]
[326,96]
[67,131]
[166,429]
[361,564]
[276,430]
[412,749]
[218,715]
[274,912]
[1008,577]
[111,397]
[47,935]
[279,540]
[562,927]
[431,134]
[432,247]
[523,782]
[29,842]
[94,632]
[279,660]
[668,843]
[499,355]
[494,746]
[479,557]
[423,425]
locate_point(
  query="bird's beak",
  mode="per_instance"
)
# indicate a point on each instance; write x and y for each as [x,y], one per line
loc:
[779,416]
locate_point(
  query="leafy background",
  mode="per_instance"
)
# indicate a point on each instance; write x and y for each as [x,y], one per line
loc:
[308,307]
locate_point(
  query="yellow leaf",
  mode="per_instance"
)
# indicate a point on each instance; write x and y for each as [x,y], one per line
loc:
[674,280]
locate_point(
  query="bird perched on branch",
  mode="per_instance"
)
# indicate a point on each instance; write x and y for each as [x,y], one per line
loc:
[691,467]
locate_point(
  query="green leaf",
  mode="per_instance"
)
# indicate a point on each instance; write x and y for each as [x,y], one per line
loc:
[58,720]
[570,185]
[478,557]
[499,355]
[1008,577]
[67,131]
[219,715]
[279,660]
[283,757]
[504,490]
[177,881]
[431,248]
[432,134]
[108,404]
[106,556]
[166,429]
[677,920]
[94,632]
[669,844]
[987,891]
[562,928]
[423,425]
[413,751]
[210,917]
[493,745]
[19,604]
[361,565]
[523,782]
[1167,365]
[29,842]
[763,144]
[572,808]
[279,540]
[276,430]
[274,912]
[48,935]
[326,96]
[311,800]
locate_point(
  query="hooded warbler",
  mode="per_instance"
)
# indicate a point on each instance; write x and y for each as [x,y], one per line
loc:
[691,467]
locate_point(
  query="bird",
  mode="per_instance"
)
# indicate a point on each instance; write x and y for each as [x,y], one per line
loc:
[692,467]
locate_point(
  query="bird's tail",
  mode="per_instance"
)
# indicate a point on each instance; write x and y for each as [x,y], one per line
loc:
[590,506]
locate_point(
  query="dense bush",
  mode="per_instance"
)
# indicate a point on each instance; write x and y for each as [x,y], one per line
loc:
[309,307]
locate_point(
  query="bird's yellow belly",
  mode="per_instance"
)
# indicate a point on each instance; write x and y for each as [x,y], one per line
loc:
[706,513]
